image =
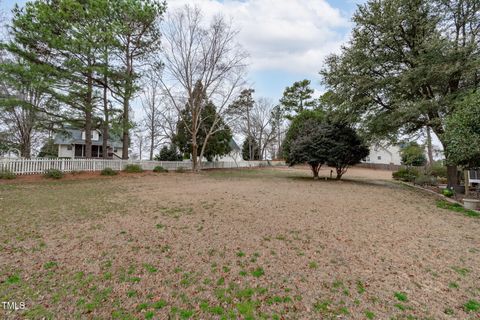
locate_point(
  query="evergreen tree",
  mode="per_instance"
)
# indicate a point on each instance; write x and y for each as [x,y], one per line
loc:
[406,65]
[218,142]
[297,98]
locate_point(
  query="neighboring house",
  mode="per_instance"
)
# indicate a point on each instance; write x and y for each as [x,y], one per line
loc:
[234,155]
[384,154]
[71,144]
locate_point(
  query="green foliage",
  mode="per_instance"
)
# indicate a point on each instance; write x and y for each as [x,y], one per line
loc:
[346,148]
[448,192]
[298,98]
[218,143]
[314,141]
[404,67]
[457,208]
[133,168]
[7,175]
[413,155]
[249,141]
[462,133]
[108,172]
[438,170]
[306,118]
[48,150]
[169,153]
[472,306]
[159,169]
[406,174]
[53,174]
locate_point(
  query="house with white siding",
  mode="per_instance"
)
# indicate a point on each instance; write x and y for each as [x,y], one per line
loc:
[71,144]
[384,154]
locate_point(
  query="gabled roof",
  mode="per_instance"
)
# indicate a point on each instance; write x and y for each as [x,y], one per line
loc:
[74,136]
[233,145]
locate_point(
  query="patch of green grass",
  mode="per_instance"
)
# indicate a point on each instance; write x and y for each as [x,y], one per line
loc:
[258,272]
[131,293]
[400,306]
[457,208]
[471,306]
[50,265]
[461,271]
[313,265]
[149,315]
[14,278]
[150,268]
[243,273]
[142,306]
[453,285]
[322,306]
[369,314]
[240,254]
[401,296]
[186,314]
[159,304]
[360,287]
[160,226]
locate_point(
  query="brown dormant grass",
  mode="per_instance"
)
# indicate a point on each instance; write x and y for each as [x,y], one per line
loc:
[248,244]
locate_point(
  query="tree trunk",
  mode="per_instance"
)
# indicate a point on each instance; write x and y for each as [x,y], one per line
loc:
[126,105]
[467,183]
[315,170]
[452,176]
[194,155]
[106,115]
[429,147]
[339,173]
[88,116]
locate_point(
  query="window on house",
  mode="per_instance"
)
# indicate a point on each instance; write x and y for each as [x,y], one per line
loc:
[115,149]
[379,157]
[69,147]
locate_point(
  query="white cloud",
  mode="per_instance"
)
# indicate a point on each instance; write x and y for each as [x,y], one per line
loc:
[288,35]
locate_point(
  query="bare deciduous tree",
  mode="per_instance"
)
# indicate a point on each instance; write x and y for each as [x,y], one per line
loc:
[152,121]
[200,56]
[262,125]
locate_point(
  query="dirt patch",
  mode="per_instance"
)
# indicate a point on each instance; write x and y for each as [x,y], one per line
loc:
[268,243]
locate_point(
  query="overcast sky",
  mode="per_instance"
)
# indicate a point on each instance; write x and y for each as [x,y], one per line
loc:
[287,40]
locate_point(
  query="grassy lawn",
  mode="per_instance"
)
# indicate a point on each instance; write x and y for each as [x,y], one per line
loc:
[229,244]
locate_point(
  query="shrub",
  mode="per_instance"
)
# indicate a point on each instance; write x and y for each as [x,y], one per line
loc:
[180,170]
[133,168]
[6,174]
[108,172]
[159,169]
[426,180]
[447,192]
[53,174]
[438,170]
[405,174]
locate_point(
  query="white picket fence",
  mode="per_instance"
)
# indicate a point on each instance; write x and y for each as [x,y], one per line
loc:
[40,165]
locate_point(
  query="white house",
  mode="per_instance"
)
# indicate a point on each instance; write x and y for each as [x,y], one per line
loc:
[234,155]
[384,154]
[71,144]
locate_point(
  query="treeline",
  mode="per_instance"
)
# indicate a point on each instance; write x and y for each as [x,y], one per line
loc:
[76,63]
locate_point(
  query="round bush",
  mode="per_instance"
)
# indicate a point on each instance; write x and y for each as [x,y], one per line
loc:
[407,175]
[447,192]
[133,168]
[159,169]
[53,174]
[108,172]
